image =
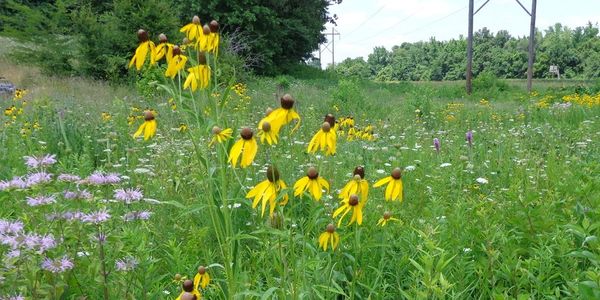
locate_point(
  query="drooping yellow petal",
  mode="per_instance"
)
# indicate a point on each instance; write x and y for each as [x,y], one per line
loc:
[315,189]
[150,129]
[324,183]
[140,130]
[389,189]
[300,186]
[250,148]
[382,181]
[235,152]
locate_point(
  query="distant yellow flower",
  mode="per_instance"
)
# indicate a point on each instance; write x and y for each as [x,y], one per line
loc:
[357,185]
[246,147]
[266,191]
[164,48]
[220,135]
[176,63]
[352,203]
[202,279]
[387,217]
[145,47]
[312,183]
[182,127]
[266,133]
[106,116]
[329,237]
[131,119]
[19,93]
[393,191]
[188,287]
[193,30]
[148,128]
[283,115]
[346,122]
[9,111]
[325,140]
[198,76]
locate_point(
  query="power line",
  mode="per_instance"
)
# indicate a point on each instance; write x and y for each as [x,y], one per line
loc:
[367,19]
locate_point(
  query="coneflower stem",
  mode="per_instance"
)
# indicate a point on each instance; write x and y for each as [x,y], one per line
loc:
[103,263]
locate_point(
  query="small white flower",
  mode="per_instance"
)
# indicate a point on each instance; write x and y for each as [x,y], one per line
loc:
[409,168]
[481,180]
[444,165]
[380,171]
[467,250]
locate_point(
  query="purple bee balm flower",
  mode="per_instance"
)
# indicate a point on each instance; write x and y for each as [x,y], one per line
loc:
[12,297]
[72,215]
[40,161]
[126,264]
[10,226]
[31,241]
[436,144]
[58,265]
[99,178]
[137,215]
[68,178]
[84,194]
[40,200]
[128,195]
[13,253]
[47,242]
[4,185]
[144,215]
[96,217]
[469,137]
[18,183]
[38,178]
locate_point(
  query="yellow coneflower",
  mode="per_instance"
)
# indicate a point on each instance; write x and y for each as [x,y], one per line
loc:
[182,127]
[131,119]
[202,279]
[176,63]
[202,41]
[220,135]
[266,133]
[354,204]
[246,147]
[146,46]
[347,122]
[193,30]
[387,217]
[312,183]
[329,237]
[325,140]
[9,111]
[357,185]
[148,127]
[283,115]
[188,287]
[199,76]
[393,191]
[19,94]
[213,37]
[266,191]
[164,48]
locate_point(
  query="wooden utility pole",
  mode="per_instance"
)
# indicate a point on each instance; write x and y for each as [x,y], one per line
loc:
[470,49]
[531,46]
[469,74]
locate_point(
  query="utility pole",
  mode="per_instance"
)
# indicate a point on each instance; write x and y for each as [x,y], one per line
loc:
[332,43]
[469,74]
[531,46]
[470,49]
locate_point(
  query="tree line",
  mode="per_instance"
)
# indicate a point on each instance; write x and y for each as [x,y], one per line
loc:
[575,51]
[98,37]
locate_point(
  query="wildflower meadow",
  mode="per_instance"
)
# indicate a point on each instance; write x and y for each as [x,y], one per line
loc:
[203,185]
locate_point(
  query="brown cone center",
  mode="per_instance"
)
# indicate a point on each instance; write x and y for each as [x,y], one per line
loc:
[246,133]
[312,173]
[353,201]
[287,101]
[396,173]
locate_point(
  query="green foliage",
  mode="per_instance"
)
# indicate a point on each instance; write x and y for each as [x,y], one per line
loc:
[574,51]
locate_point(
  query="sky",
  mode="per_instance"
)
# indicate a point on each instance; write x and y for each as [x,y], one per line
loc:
[365,24]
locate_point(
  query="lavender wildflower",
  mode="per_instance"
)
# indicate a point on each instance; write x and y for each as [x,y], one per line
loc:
[17,183]
[38,178]
[14,297]
[72,216]
[10,226]
[40,161]
[99,178]
[126,264]
[137,215]
[436,144]
[58,265]
[129,195]
[40,200]
[83,194]
[96,217]
[68,178]
[469,138]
